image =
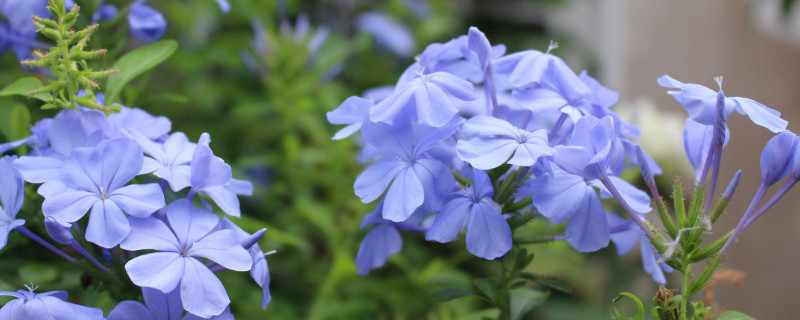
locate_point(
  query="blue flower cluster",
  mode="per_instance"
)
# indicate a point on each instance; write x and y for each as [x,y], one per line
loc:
[120,169]
[466,109]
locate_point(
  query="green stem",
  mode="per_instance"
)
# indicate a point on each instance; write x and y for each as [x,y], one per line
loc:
[504,300]
[687,269]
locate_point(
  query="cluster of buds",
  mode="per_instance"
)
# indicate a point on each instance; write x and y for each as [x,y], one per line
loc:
[67,61]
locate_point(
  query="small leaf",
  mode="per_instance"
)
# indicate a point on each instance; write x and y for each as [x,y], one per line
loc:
[524,300]
[449,294]
[23,85]
[547,282]
[555,285]
[639,308]
[734,315]
[486,286]
[518,284]
[135,63]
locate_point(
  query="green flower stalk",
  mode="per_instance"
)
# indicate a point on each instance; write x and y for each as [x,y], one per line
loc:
[68,61]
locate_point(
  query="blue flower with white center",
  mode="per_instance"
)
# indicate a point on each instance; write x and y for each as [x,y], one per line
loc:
[95,178]
[488,233]
[416,178]
[179,246]
[491,142]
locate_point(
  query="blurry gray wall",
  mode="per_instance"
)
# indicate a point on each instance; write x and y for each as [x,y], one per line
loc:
[635,42]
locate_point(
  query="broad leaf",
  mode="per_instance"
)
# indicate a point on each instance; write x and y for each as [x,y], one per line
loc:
[135,63]
[22,86]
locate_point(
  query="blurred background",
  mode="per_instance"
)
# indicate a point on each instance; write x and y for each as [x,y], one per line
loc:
[261,77]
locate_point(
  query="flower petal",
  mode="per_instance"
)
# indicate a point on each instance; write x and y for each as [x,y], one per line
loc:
[157,270]
[488,233]
[108,225]
[139,200]
[450,220]
[201,292]
[223,248]
[378,245]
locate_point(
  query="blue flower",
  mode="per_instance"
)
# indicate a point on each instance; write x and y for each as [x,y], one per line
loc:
[415,178]
[95,178]
[701,101]
[11,197]
[213,177]
[171,160]
[178,247]
[490,142]
[488,233]
[147,24]
[45,306]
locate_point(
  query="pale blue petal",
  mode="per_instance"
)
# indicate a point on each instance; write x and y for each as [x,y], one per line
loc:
[482,125]
[488,233]
[130,310]
[450,220]
[396,140]
[404,196]
[637,199]
[157,270]
[150,234]
[223,248]
[12,190]
[453,85]
[371,183]
[587,229]
[189,223]
[540,100]
[139,200]
[437,181]
[108,225]
[201,292]
[38,169]
[378,245]
[434,107]
[760,114]
[390,108]
[776,157]
[69,206]
[486,153]
[559,196]
[225,200]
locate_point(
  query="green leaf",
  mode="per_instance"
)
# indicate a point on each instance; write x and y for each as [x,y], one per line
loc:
[23,85]
[449,294]
[547,282]
[615,315]
[734,315]
[524,300]
[20,122]
[135,63]
[486,286]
